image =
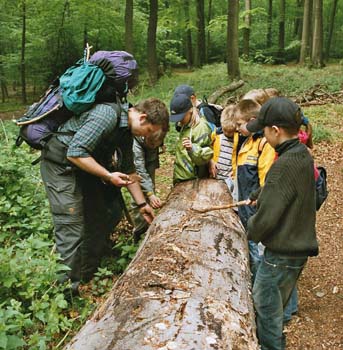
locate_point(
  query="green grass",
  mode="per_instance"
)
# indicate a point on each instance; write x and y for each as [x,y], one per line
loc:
[291,80]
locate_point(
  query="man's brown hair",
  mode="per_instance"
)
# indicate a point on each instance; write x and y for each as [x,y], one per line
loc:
[156,111]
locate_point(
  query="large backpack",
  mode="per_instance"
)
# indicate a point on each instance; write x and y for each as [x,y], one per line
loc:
[211,112]
[105,77]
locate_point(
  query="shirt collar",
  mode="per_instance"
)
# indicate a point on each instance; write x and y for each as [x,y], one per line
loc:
[286,145]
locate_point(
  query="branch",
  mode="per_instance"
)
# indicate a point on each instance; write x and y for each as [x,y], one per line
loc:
[224,90]
[219,207]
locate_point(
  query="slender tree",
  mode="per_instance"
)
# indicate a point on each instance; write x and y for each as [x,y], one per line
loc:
[269,23]
[209,17]
[305,37]
[317,45]
[188,41]
[298,19]
[23,45]
[151,43]
[247,28]
[129,26]
[282,17]
[200,52]
[232,39]
[331,26]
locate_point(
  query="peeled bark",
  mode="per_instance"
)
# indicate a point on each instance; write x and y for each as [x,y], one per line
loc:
[188,286]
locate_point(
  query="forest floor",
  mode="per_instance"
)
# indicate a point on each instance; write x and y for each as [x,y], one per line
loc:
[319,322]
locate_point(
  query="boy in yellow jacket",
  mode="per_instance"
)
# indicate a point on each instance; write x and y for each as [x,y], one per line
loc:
[254,160]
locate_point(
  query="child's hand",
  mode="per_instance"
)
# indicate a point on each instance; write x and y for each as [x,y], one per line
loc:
[155,202]
[212,169]
[187,143]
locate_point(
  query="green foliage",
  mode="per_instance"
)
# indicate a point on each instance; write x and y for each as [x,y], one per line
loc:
[125,252]
[23,206]
[32,305]
[102,281]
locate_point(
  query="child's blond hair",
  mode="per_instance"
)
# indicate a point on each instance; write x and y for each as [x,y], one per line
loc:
[227,120]
[247,109]
[261,95]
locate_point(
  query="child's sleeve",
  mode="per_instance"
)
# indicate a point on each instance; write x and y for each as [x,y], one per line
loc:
[201,151]
[139,159]
[200,155]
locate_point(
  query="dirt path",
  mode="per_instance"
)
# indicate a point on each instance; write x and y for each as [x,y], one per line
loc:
[319,323]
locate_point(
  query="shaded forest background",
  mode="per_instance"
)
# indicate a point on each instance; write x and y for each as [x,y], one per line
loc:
[39,39]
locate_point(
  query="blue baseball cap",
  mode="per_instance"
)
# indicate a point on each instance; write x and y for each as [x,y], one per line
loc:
[179,106]
[184,89]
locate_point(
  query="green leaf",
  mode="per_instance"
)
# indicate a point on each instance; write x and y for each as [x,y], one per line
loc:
[14,342]
[3,340]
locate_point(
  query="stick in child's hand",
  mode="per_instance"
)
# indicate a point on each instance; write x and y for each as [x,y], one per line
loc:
[219,207]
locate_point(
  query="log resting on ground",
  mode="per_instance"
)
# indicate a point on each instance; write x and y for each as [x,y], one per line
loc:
[188,287]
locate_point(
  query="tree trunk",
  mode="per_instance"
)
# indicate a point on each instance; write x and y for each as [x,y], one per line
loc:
[200,53]
[331,26]
[317,46]
[281,51]
[209,17]
[85,35]
[232,39]
[60,33]
[298,20]
[246,29]
[152,54]
[189,49]
[188,286]
[23,44]
[269,23]
[305,37]
[224,90]
[129,26]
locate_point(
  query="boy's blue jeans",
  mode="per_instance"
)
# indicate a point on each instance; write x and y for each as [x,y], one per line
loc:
[275,279]
[292,306]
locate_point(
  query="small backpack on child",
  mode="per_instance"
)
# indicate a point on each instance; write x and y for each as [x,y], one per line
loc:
[321,187]
[105,77]
[211,112]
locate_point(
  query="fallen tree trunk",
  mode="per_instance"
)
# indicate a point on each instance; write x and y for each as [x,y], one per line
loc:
[188,286]
[224,90]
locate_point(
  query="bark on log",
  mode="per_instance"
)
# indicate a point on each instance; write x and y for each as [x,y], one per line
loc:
[224,90]
[188,286]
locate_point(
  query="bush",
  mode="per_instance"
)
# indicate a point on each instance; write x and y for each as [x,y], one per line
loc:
[32,305]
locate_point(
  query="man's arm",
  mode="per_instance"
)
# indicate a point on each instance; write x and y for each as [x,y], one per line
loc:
[90,165]
[138,196]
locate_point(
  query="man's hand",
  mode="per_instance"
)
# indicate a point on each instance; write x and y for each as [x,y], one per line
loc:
[119,179]
[147,213]
[187,143]
[155,202]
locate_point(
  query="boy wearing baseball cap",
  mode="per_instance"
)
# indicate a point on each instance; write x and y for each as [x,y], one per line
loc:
[285,218]
[193,149]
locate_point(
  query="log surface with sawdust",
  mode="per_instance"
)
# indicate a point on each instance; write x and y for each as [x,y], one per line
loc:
[188,286]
